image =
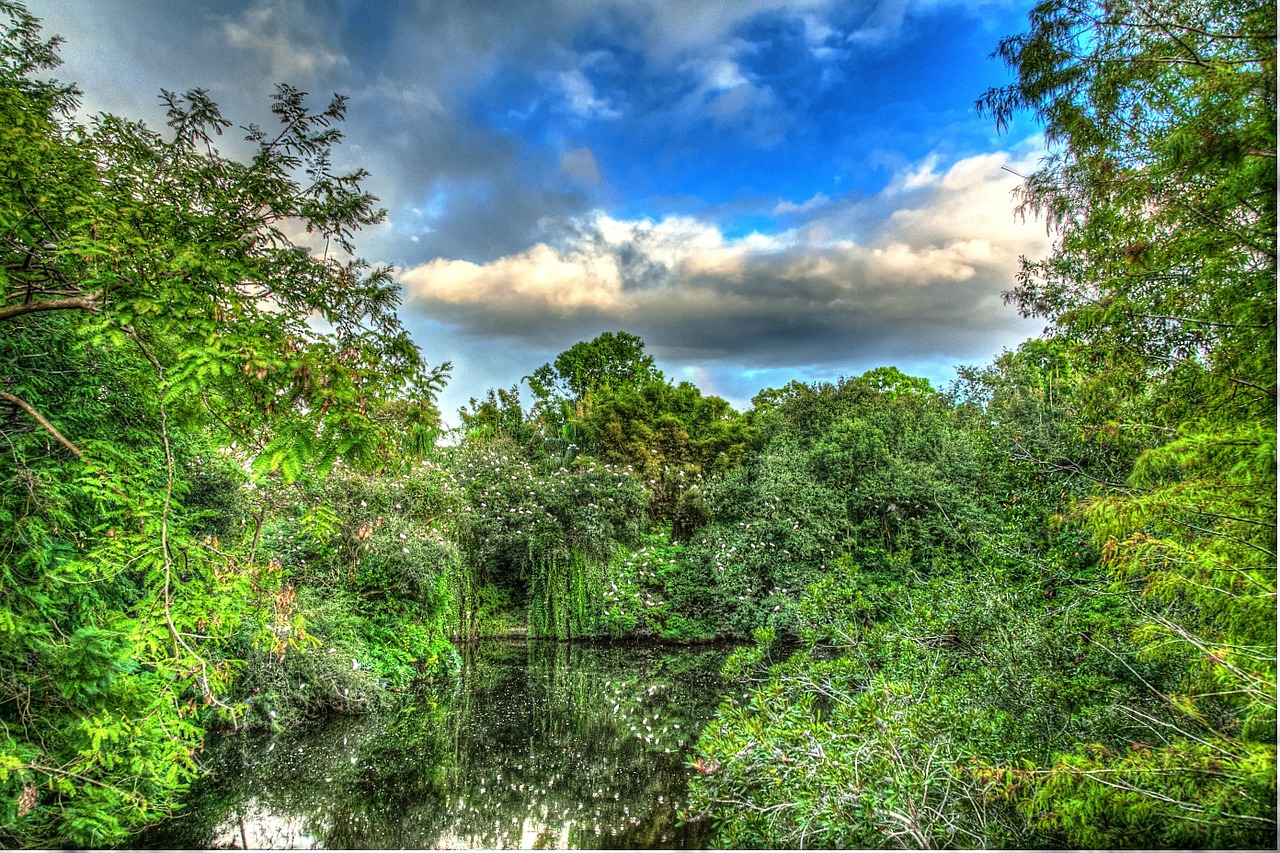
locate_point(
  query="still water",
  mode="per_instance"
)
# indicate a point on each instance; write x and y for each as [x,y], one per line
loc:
[538,745]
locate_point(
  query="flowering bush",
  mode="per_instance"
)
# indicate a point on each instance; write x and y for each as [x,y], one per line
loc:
[542,536]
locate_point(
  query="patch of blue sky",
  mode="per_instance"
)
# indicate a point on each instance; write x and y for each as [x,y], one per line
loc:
[742,225]
[775,115]
[516,145]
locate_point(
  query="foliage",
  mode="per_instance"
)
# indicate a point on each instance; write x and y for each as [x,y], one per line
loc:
[1160,188]
[1035,609]
[844,471]
[563,387]
[373,571]
[1002,692]
[607,361]
[539,540]
[606,399]
[655,591]
[500,414]
[158,340]
[1161,123]
[564,598]
[670,435]
[875,733]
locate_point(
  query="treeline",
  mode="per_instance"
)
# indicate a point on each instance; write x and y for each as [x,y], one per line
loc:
[1034,608]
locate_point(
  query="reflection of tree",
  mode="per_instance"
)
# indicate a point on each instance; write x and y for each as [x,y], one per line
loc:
[283,789]
[543,745]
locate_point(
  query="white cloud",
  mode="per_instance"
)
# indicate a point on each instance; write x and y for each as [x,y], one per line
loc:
[978,192]
[922,174]
[884,22]
[927,280]
[673,27]
[539,279]
[580,96]
[818,200]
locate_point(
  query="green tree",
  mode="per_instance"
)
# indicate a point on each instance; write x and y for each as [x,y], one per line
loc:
[672,436]
[1160,119]
[1160,189]
[562,388]
[606,399]
[536,539]
[157,339]
[608,360]
[941,651]
[499,414]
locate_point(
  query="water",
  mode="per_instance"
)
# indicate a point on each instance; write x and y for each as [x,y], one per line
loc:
[537,746]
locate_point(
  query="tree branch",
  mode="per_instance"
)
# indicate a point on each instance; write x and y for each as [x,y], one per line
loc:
[84,303]
[40,419]
[1270,392]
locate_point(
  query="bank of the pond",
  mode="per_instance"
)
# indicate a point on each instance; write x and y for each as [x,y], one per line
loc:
[521,634]
[537,743]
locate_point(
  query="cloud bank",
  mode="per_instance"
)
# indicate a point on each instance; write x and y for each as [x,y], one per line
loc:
[916,271]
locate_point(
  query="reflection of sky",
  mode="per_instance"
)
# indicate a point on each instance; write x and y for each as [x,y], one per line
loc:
[534,834]
[255,826]
[807,178]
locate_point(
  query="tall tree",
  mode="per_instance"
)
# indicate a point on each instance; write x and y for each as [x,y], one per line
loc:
[1160,188]
[1160,180]
[155,314]
[562,389]
[607,360]
[672,436]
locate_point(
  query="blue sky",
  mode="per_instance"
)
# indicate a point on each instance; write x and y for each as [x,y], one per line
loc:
[764,190]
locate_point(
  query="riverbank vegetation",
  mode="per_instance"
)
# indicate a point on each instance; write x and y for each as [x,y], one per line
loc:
[1034,608]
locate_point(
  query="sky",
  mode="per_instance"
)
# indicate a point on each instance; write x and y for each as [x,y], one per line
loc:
[763,190]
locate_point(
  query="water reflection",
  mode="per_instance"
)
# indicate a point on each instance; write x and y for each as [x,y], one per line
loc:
[538,746]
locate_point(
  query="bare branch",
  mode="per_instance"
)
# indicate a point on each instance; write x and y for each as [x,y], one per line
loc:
[88,303]
[40,419]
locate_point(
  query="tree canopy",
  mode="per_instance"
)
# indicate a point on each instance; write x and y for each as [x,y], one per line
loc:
[1138,439]
[164,339]
[1160,187]
[607,361]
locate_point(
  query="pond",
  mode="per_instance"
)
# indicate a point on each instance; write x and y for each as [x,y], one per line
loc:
[537,745]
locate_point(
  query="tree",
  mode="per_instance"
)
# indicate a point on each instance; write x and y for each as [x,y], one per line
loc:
[499,414]
[606,360]
[1160,188]
[156,321]
[1039,704]
[672,436]
[1160,118]
[539,538]
[561,388]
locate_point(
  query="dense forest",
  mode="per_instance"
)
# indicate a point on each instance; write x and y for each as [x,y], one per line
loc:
[1035,608]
